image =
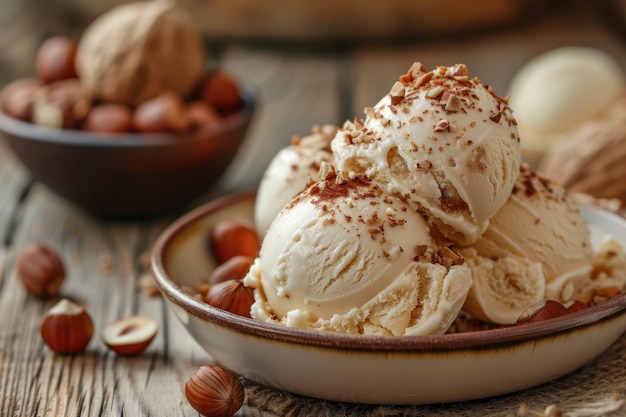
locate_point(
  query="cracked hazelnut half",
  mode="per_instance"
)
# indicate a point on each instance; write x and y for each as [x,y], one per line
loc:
[130,335]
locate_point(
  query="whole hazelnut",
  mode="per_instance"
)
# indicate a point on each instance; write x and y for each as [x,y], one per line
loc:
[541,311]
[17,98]
[138,50]
[235,268]
[220,90]
[109,118]
[66,327]
[231,296]
[61,104]
[201,114]
[40,269]
[160,114]
[130,335]
[214,391]
[55,59]
[230,238]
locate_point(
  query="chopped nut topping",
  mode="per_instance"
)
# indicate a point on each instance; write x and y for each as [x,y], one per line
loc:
[435,91]
[453,104]
[441,126]
[450,257]
[397,93]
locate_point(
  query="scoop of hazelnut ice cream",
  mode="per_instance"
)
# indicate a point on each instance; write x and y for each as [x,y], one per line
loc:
[536,247]
[344,256]
[289,171]
[441,141]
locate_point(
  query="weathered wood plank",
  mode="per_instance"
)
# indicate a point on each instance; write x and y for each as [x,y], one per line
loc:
[14,179]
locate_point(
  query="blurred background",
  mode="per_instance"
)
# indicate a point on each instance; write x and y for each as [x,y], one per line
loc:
[322,61]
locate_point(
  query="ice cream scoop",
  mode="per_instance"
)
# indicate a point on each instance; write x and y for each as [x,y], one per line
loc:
[537,247]
[441,141]
[344,256]
[288,173]
[558,90]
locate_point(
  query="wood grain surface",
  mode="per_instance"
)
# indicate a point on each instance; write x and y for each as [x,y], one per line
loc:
[106,260]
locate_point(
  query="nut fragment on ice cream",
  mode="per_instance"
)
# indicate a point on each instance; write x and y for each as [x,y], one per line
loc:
[536,247]
[558,90]
[344,256]
[441,141]
[289,171]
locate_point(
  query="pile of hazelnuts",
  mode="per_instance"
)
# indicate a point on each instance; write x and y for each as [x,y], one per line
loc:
[56,99]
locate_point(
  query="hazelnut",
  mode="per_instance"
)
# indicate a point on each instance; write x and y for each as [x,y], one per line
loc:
[214,391]
[55,59]
[40,269]
[163,113]
[230,238]
[235,268]
[61,104]
[131,335]
[576,306]
[201,114]
[66,327]
[109,118]
[221,91]
[18,97]
[541,311]
[231,296]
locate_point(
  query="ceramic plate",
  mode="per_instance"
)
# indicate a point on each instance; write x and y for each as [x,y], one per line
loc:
[378,369]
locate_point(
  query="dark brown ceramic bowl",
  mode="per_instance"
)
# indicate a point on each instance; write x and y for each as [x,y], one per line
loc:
[129,174]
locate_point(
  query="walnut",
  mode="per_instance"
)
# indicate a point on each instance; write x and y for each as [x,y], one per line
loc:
[136,51]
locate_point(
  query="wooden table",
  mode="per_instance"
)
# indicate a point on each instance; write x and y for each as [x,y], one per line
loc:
[106,260]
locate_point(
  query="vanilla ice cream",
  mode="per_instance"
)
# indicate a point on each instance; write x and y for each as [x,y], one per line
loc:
[288,173]
[441,141]
[556,91]
[344,256]
[537,247]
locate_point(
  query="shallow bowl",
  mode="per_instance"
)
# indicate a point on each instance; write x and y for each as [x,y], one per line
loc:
[377,369]
[129,174]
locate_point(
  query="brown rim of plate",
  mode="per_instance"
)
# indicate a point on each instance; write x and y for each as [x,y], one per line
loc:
[34,132]
[482,339]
